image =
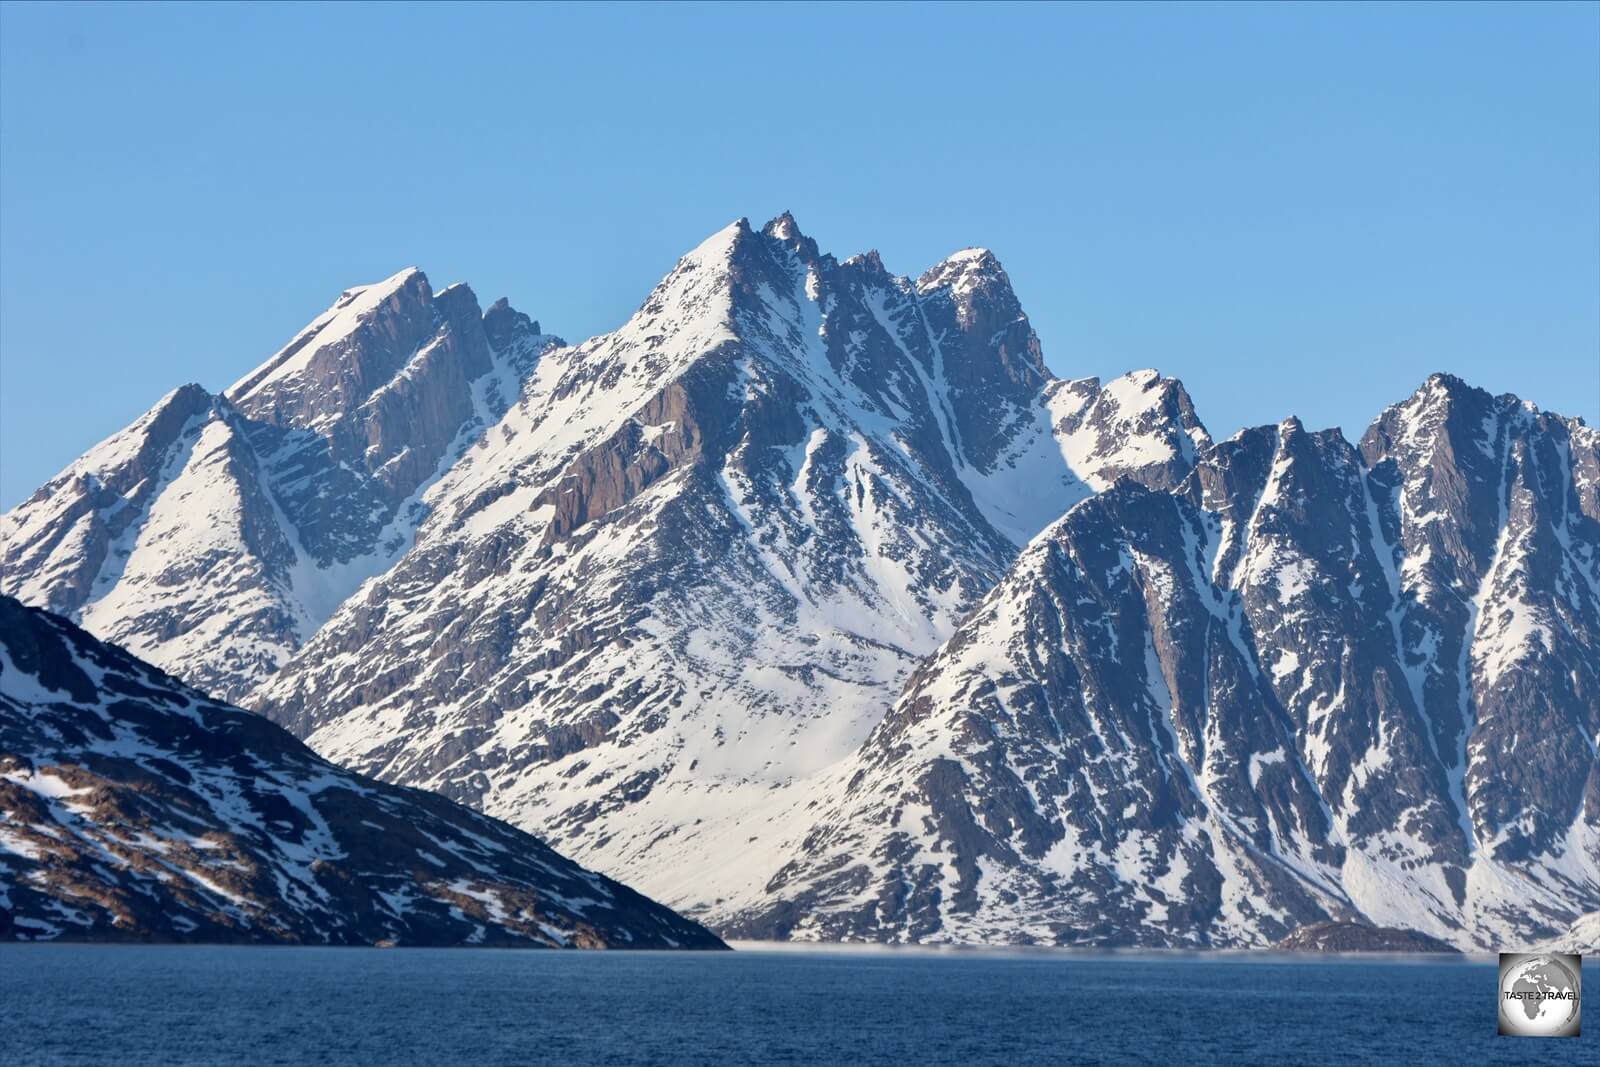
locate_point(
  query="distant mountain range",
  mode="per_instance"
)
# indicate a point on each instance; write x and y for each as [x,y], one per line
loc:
[812,604]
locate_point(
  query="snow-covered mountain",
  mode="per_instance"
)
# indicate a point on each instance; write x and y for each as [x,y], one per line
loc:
[811,603]
[218,532]
[134,808]
[695,561]
[1313,683]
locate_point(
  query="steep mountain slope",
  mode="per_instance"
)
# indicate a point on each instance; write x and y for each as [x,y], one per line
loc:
[697,558]
[215,534]
[809,602]
[134,808]
[1312,684]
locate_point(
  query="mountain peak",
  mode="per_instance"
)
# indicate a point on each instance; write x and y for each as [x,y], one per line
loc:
[977,256]
[502,324]
[190,396]
[393,283]
[1447,388]
[786,230]
[1442,400]
[964,270]
[1444,380]
[405,292]
[360,298]
[719,248]
[783,227]
[398,280]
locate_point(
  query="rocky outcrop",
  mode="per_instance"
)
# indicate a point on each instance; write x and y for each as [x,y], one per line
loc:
[135,809]
[1359,937]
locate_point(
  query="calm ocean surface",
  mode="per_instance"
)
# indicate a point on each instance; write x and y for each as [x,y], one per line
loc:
[147,1005]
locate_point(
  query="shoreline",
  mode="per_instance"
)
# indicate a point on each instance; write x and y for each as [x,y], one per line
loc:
[864,950]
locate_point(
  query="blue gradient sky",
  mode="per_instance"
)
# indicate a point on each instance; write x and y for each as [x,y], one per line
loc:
[1294,209]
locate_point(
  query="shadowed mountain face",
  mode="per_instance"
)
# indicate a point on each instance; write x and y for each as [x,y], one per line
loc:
[809,601]
[133,808]
[1313,683]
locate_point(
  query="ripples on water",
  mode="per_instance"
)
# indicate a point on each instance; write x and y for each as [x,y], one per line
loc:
[148,1005]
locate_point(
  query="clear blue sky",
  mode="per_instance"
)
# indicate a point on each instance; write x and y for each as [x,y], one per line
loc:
[1294,209]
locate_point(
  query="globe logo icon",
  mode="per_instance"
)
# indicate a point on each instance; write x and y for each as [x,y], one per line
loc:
[1539,995]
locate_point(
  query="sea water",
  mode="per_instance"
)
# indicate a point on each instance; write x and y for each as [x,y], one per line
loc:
[133,1005]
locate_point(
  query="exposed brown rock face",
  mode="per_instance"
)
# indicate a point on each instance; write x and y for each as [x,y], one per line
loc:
[604,479]
[135,809]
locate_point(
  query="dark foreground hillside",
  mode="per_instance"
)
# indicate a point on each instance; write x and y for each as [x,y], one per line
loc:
[133,808]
